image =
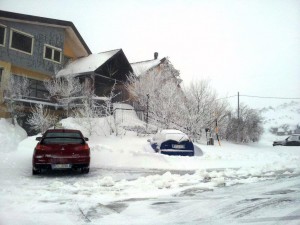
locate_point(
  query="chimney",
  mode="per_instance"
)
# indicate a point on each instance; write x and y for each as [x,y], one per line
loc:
[155,55]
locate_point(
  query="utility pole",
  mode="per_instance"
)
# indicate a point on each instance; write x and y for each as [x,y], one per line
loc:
[147,115]
[238,110]
[238,114]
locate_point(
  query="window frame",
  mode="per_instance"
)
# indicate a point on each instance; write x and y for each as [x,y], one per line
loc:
[12,30]
[5,30]
[53,49]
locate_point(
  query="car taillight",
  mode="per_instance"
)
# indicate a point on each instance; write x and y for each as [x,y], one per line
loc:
[85,147]
[39,147]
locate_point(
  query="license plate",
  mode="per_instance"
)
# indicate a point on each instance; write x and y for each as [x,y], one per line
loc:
[61,166]
[178,146]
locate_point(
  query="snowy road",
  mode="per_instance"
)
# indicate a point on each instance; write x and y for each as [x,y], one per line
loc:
[130,184]
[113,196]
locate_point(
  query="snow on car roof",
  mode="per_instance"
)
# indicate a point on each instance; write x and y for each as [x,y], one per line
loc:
[171,131]
[170,134]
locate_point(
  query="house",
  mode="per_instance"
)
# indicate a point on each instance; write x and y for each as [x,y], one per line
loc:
[102,71]
[157,65]
[163,70]
[36,48]
[40,48]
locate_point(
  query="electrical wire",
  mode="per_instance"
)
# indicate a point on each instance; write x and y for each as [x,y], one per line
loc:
[226,97]
[254,96]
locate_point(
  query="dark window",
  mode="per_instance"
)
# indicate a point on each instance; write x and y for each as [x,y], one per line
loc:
[37,89]
[48,53]
[56,56]
[63,134]
[52,53]
[2,35]
[21,41]
[1,71]
[49,141]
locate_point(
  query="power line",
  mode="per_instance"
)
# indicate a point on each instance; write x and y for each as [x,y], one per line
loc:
[226,97]
[255,96]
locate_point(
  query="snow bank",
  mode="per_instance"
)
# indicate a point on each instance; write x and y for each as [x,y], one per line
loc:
[10,135]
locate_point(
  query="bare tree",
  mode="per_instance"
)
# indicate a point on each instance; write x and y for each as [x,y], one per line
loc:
[203,108]
[41,118]
[246,128]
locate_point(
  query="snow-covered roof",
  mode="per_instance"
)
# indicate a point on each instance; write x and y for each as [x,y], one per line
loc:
[140,68]
[87,64]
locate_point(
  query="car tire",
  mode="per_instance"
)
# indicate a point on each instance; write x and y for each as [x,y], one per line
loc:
[85,170]
[36,172]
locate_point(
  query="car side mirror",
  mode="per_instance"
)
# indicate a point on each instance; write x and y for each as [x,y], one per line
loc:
[86,139]
[38,138]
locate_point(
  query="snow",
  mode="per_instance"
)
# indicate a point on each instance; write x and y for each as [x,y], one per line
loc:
[140,68]
[10,142]
[285,115]
[87,64]
[131,184]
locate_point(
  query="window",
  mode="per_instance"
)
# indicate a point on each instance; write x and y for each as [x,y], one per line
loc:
[52,53]
[21,41]
[2,35]
[37,89]
[1,72]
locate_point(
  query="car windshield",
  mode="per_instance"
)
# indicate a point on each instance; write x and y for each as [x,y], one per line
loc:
[176,136]
[63,134]
[61,140]
[294,138]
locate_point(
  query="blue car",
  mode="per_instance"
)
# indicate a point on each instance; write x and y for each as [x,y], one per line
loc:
[172,142]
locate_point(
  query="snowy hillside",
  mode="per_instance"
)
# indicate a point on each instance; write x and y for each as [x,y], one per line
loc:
[280,121]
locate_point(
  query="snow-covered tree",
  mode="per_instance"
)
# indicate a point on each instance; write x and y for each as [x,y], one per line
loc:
[64,90]
[18,88]
[246,128]
[158,92]
[86,114]
[203,108]
[41,118]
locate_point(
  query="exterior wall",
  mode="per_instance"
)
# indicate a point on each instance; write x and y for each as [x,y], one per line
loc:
[8,70]
[42,35]
[28,73]
[68,52]
[4,82]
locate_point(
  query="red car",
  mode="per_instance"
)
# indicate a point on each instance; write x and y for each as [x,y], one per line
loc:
[61,149]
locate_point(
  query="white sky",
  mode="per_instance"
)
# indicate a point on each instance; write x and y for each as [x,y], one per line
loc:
[248,46]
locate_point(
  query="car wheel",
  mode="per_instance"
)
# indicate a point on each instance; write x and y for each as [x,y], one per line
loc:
[85,170]
[36,172]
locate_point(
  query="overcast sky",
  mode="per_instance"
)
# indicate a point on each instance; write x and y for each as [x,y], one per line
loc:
[250,46]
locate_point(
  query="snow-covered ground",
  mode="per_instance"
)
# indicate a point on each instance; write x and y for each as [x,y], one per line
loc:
[131,184]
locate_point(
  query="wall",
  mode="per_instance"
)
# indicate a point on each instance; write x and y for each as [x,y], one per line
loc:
[42,35]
